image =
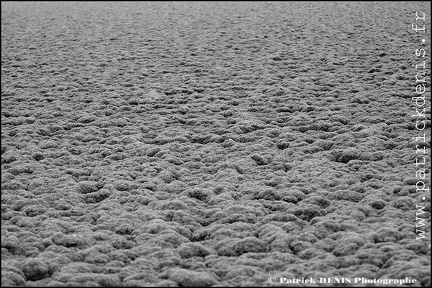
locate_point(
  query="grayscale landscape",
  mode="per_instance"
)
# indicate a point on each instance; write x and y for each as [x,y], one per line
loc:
[211,144]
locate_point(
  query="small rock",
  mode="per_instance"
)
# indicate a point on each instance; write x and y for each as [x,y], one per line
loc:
[259,160]
[35,269]
[86,187]
[153,151]
[186,278]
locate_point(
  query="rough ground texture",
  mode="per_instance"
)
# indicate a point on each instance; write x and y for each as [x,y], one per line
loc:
[209,144]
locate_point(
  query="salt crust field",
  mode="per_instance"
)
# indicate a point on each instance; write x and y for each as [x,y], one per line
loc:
[212,144]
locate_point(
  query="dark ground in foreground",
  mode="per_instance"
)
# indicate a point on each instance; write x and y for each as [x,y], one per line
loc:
[210,144]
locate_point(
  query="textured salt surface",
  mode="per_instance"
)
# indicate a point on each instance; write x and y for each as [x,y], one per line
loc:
[208,144]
